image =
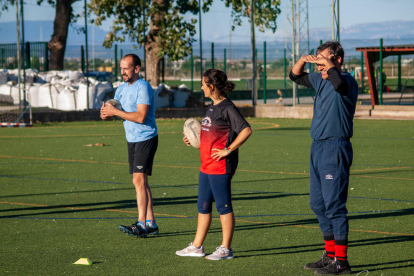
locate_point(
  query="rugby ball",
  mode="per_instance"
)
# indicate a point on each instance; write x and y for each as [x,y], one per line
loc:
[116,104]
[192,129]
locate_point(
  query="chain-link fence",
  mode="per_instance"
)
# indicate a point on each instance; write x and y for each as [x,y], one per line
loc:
[273,67]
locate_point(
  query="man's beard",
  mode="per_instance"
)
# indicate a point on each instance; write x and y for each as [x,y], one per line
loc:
[129,79]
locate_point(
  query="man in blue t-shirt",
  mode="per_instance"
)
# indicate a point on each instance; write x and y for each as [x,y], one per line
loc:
[331,151]
[138,112]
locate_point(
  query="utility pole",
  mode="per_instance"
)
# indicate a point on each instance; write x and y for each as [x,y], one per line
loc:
[253,50]
[201,46]
[18,50]
[335,21]
[230,48]
[297,30]
[145,39]
[23,55]
[87,60]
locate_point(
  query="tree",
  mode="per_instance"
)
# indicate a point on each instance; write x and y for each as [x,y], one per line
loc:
[63,17]
[57,44]
[167,24]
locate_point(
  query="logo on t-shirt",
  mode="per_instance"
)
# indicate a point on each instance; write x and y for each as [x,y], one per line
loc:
[206,122]
[328,176]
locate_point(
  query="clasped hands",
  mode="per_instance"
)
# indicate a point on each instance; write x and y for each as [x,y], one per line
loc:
[107,111]
[319,60]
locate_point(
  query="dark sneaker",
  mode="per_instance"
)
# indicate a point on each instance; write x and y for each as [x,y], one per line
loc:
[322,262]
[335,268]
[152,230]
[134,230]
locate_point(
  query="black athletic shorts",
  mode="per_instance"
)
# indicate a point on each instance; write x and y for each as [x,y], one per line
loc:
[141,156]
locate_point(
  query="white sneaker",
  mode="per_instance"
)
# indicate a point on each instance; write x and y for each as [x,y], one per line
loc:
[221,253]
[191,251]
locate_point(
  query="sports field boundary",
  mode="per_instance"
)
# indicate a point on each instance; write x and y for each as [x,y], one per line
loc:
[384,112]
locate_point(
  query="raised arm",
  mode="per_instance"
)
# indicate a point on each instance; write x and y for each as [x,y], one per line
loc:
[298,75]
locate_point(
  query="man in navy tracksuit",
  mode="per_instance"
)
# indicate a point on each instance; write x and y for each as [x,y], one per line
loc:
[331,151]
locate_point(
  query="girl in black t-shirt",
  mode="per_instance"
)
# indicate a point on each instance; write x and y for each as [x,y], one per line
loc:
[223,131]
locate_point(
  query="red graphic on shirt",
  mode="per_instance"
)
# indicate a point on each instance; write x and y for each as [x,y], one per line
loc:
[212,137]
[206,122]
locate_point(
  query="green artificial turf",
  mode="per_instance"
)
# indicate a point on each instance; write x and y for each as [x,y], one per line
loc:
[61,201]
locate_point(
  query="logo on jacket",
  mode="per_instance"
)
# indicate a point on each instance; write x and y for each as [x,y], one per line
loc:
[328,176]
[206,122]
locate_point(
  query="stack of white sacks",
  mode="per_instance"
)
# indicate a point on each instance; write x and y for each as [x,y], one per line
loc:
[67,90]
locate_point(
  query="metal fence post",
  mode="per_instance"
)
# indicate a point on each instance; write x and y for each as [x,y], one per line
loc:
[28,64]
[163,68]
[284,66]
[2,58]
[116,62]
[264,72]
[399,73]
[225,61]
[83,59]
[380,74]
[192,70]
[46,59]
[119,67]
[362,72]
[212,54]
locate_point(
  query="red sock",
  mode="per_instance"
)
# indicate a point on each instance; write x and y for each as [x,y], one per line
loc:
[329,246]
[341,248]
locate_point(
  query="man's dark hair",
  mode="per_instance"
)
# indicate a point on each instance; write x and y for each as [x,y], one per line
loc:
[135,59]
[335,49]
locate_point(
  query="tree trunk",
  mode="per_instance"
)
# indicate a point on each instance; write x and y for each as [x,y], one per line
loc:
[153,64]
[57,43]
[151,47]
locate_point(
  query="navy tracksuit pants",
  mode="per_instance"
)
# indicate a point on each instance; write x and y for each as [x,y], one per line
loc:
[330,162]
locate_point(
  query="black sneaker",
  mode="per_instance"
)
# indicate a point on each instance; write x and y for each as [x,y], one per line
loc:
[134,230]
[322,262]
[152,230]
[335,268]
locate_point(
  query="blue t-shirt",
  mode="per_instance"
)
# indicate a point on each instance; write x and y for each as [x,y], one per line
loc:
[140,92]
[333,113]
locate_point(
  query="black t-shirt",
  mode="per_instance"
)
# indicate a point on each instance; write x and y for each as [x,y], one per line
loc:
[220,127]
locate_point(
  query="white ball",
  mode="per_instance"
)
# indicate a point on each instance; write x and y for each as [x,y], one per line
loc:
[192,129]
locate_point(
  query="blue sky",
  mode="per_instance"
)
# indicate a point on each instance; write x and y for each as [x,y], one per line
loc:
[216,23]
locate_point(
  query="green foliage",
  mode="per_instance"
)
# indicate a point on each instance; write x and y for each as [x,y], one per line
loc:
[71,64]
[167,21]
[277,64]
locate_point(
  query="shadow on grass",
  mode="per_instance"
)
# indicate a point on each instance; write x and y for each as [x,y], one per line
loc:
[285,129]
[320,247]
[378,172]
[73,192]
[273,179]
[363,270]
[123,204]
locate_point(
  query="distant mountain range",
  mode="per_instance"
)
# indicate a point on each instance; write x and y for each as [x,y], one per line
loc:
[42,31]
[386,30]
